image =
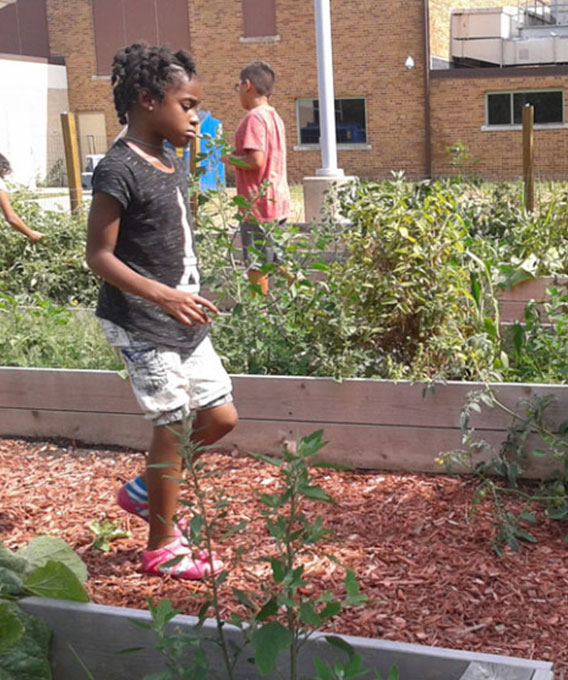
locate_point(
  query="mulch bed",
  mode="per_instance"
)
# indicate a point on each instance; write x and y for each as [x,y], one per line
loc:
[422,559]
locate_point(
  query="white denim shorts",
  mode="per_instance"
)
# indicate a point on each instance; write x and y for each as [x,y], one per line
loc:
[169,383]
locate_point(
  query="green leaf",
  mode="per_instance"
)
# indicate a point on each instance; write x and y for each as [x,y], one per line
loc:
[11,629]
[278,570]
[311,444]
[331,609]
[27,658]
[268,610]
[42,549]
[233,530]
[316,493]
[243,598]
[11,583]
[268,641]
[55,580]
[308,615]
[323,671]
[341,644]
[10,560]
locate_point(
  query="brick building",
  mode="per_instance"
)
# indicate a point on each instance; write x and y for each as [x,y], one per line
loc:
[390,117]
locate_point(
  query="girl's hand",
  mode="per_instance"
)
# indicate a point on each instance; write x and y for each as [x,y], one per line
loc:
[187,308]
[35,236]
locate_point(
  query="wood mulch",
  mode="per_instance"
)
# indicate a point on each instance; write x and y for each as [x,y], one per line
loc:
[422,559]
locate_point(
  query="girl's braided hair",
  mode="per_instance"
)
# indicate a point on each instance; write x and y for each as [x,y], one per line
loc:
[142,67]
[5,167]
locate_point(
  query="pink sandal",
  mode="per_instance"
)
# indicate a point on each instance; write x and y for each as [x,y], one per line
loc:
[141,510]
[190,568]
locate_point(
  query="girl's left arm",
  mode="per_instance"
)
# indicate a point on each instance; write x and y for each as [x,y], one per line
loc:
[14,221]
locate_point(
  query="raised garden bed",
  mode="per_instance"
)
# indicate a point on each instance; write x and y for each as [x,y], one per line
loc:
[96,633]
[512,302]
[371,424]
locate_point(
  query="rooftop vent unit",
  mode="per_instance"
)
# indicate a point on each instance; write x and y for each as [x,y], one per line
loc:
[532,32]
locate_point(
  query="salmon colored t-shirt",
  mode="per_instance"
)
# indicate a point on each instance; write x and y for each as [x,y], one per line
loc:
[262,129]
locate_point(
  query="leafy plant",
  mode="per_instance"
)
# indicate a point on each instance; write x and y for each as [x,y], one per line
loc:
[46,567]
[105,532]
[500,475]
[280,616]
[54,267]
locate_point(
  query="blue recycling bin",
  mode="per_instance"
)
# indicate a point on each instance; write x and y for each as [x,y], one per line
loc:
[214,174]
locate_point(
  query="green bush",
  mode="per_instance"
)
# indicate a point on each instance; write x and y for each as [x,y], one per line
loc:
[401,284]
[53,268]
[51,336]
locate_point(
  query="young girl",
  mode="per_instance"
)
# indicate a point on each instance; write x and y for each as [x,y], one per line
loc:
[6,207]
[140,243]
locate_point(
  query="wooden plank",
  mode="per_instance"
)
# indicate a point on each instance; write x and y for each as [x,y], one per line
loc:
[411,449]
[371,402]
[131,431]
[531,289]
[66,390]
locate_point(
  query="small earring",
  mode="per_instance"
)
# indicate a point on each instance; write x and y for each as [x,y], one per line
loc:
[151,108]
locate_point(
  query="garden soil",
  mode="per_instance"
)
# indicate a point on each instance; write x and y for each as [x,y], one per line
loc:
[422,557]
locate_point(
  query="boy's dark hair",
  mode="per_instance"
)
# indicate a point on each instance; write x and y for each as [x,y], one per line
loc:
[5,167]
[143,67]
[261,76]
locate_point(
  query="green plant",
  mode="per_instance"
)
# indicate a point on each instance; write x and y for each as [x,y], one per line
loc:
[105,532]
[54,267]
[499,475]
[49,335]
[461,159]
[280,616]
[46,567]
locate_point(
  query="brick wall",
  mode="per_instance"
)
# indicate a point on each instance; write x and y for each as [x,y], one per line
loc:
[70,27]
[458,115]
[370,48]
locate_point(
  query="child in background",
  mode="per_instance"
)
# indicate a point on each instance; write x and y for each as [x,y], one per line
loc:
[260,166]
[140,242]
[6,207]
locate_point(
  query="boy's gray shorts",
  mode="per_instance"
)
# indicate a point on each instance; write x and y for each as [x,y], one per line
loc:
[254,234]
[169,383]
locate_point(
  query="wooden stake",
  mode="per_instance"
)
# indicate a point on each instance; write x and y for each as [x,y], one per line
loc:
[528,155]
[72,160]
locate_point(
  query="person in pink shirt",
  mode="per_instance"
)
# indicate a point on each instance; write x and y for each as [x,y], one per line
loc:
[260,168]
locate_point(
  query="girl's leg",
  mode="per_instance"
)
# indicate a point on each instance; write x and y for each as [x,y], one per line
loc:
[208,427]
[162,490]
[210,424]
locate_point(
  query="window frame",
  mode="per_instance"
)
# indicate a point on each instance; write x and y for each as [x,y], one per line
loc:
[512,93]
[340,145]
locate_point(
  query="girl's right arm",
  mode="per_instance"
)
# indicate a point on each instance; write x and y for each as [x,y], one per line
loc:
[102,234]
[14,221]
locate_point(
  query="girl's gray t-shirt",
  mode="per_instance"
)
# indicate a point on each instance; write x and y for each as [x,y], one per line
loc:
[155,239]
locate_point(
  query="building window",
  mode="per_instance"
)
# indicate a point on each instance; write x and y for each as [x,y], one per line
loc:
[118,23]
[506,108]
[259,18]
[350,121]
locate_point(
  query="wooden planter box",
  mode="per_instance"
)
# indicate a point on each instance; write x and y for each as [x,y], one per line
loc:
[372,424]
[512,302]
[97,632]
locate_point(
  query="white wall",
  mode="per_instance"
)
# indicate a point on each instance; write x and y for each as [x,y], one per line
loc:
[25,85]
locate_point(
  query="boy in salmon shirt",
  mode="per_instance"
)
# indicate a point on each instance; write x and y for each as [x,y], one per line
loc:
[260,167]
